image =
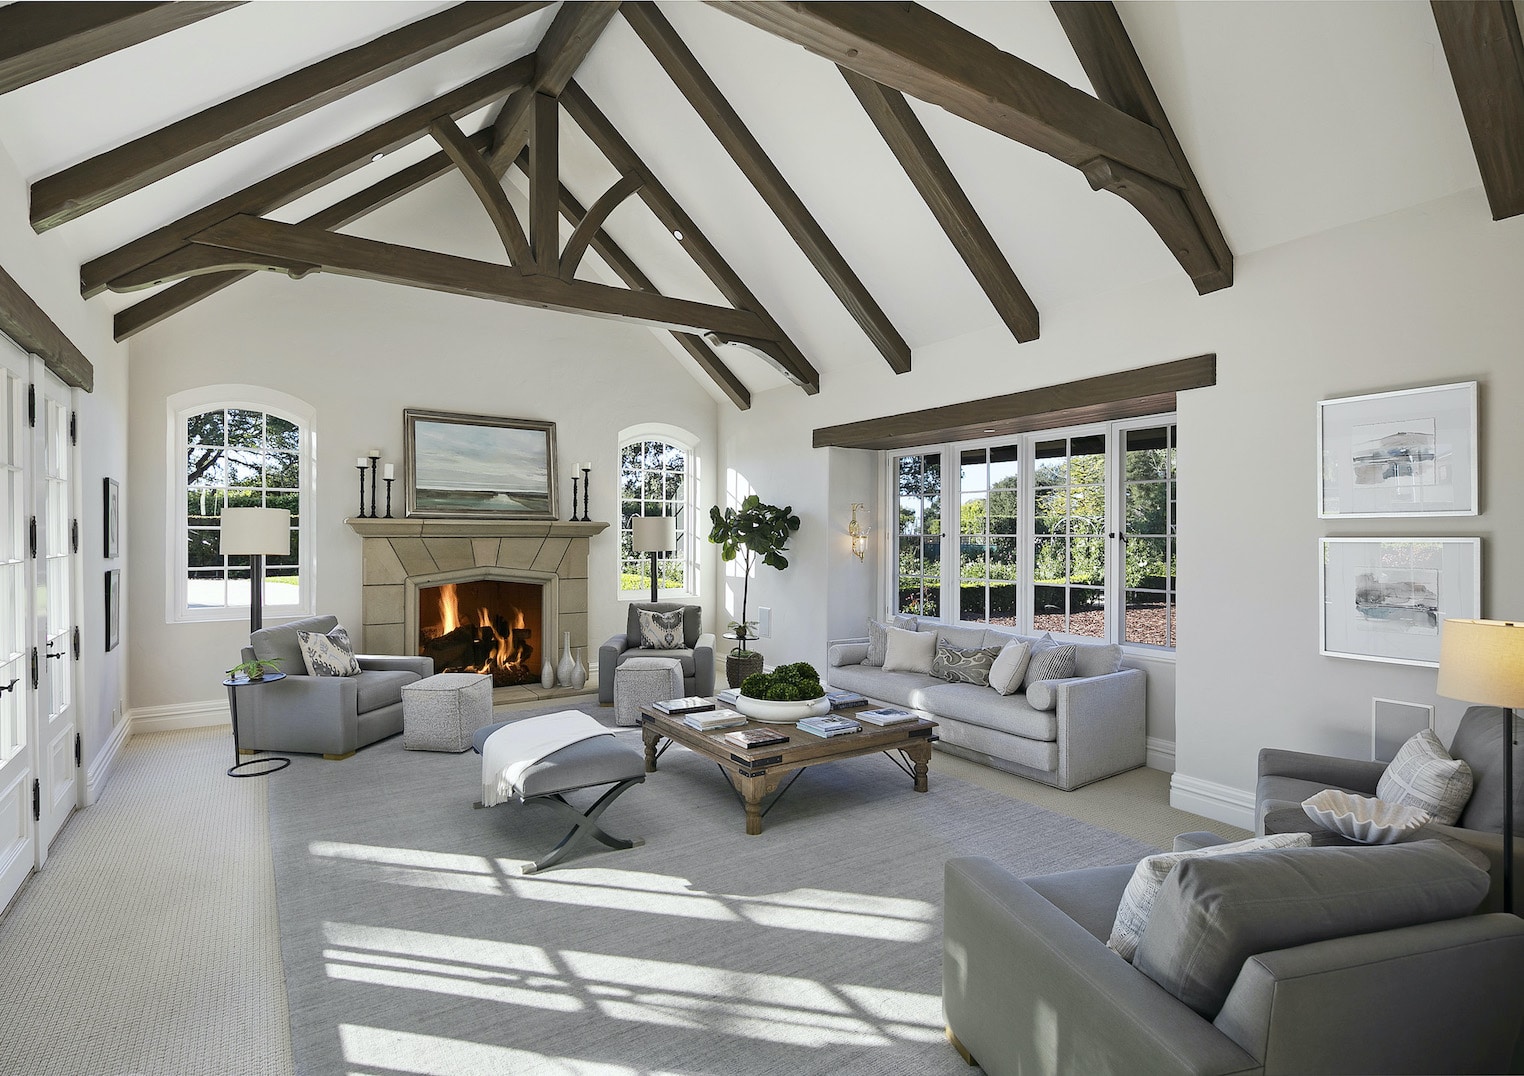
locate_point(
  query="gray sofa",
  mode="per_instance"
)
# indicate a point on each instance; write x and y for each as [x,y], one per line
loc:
[1313,966]
[332,716]
[1096,726]
[696,658]
[1286,778]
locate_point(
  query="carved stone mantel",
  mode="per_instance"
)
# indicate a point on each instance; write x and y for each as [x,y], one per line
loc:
[472,528]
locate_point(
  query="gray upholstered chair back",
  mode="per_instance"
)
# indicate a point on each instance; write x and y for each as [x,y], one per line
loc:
[1479,741]
[691,613]
[280,642]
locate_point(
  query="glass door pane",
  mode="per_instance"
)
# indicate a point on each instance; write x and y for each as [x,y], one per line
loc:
[1149,534]
[989,544]
[918,507]
[1069,536]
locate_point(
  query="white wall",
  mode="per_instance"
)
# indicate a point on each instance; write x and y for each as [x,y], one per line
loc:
[359,353]
[49,273]
[1427,296]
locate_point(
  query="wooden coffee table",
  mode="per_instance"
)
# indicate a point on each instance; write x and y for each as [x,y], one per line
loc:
[756,773]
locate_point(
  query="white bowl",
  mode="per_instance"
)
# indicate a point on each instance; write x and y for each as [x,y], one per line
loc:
[1363,818]
[786,713]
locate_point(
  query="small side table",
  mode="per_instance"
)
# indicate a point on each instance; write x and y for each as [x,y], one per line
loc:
[232,686]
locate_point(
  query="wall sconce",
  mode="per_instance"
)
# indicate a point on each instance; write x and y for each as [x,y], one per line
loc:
[858,532]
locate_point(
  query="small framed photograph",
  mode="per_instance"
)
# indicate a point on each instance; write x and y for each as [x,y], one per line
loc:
[113,608]
[1407,453]
[1384,599]
[112,516]
[479,467]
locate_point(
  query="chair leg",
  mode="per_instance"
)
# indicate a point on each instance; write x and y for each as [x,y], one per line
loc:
[962,1050]
[584,826]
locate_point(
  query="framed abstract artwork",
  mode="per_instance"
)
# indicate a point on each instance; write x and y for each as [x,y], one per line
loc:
[1384,599]
[478,466]
[113,608]
[112,515]
[1406,453]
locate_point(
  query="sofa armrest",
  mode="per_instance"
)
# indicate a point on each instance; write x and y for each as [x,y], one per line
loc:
[608,661]
[1102,726]
[1491,845]
[1027,989]
[1352,773]
[316,714]
[397,663]
[703,665]
[847,652]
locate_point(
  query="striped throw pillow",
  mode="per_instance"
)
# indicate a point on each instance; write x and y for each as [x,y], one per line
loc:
[1054,663]
[1423,775]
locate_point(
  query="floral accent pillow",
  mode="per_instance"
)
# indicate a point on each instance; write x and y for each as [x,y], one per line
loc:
[328,655]
[964,665]
[661,631]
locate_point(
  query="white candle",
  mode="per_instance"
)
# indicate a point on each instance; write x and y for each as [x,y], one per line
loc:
[585,466]
[374,453]
[388,473]
[361,461]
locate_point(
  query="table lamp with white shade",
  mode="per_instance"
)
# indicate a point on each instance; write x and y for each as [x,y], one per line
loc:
[1482,661]
[654,535]
[255,533]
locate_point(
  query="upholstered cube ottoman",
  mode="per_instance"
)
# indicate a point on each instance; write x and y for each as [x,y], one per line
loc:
[440,713]
[640,682]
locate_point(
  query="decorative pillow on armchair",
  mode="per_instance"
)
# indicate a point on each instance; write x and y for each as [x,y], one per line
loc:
[1423,775]
[328,655]
[661,631]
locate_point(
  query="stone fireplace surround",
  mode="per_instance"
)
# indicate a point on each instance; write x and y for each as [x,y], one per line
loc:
[401,555]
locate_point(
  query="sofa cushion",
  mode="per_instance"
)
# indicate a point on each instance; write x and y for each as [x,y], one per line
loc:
[280,642]
[1000,637]
[1088,896]
[891,687]
[691,620]
[1043,694]
[377,688]
[683,657]
[957,635]
[1275,792]
[1010,667]
[1097,659]
[1148,879]
[660,631]
[328,654]
[980,706]
[1423,775]
[1054,663]
[1215,913]
[963,665]
[1479,741]
[910,651]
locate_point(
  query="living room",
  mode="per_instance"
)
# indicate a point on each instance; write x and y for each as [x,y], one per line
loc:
[1327,138]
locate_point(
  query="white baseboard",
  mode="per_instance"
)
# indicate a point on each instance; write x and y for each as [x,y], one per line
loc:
[179,715]
[99,771]
[1222,802]
[1161,754]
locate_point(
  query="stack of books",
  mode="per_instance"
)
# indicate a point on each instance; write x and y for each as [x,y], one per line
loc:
[690,705]
[729,697]
[829,726]
[705,721]
[764,736]
[887,715]
[846,700]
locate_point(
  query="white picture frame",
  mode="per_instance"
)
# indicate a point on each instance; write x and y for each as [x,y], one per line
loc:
[1384,599]
[1412,452]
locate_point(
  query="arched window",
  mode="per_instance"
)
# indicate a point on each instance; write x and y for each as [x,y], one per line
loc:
[658,477]
[237,446]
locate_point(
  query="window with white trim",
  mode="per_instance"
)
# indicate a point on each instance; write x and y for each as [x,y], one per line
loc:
[249,450]
[657,478]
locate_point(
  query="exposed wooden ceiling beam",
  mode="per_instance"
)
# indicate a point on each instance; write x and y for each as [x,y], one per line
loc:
[29,325]
[586,229]
[675,219]
[253,243]
[1486,56]
[305,176]
[544,183]
[927,170]
[489,191]
[705,97]
[567,41]
[1148,390]
[161,304]
[108,176]
[1182,217]
[42,38]
[912,50]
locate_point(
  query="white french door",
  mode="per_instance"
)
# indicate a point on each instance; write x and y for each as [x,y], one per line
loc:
[18,840]
[54,594]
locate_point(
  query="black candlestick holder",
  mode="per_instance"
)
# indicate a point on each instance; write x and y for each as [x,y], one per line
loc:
[587,486]
[574,518]
[373,461]
[361,469]
[388,482]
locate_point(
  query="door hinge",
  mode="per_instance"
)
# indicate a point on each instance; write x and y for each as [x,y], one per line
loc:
[73,427]
[76,642]
[74,536]
[32,537]
[36,672]
[36,800]
[79,749]
[31,405]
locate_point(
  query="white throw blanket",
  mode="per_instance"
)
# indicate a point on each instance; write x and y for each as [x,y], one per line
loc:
[515,747]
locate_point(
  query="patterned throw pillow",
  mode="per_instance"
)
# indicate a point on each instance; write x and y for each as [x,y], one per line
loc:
[1054,663]
[878,638]
[1423,775]
[1010,667]
[1149,875]
[661,631]
[328,655]
[964,665]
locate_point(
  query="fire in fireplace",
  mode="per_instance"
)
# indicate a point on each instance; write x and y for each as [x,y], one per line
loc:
[483,626]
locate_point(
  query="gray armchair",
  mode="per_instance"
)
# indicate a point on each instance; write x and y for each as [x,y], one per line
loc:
[1286,778]
[332,716]
[697,656]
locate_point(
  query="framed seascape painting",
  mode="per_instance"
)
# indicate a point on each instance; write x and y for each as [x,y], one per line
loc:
[478,466]
[1384,599]
[1407,453]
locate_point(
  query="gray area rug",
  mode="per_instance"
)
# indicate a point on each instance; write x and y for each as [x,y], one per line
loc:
[412,945]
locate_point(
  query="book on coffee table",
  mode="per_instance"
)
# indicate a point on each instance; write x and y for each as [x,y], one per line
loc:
[846,700]
[887,715]
[829,726]
[765,736]
[705,720]
[730,696]
[692,704]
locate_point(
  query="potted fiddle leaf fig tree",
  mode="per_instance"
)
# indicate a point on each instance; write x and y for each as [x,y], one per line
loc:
[753,531]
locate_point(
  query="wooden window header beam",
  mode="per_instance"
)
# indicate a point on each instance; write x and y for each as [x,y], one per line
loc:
[29,325]
[1149,390]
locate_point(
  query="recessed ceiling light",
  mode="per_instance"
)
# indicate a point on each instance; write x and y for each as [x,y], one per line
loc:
[676,234]
[377,157]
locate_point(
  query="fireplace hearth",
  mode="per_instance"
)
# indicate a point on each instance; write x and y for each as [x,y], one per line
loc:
[483,626]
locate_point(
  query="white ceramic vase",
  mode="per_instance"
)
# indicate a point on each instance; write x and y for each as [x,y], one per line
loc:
[579,674]
[547,675]
[567,663]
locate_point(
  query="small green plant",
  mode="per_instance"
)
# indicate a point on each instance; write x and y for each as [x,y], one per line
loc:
[254,670]
[742,630]
[786,683]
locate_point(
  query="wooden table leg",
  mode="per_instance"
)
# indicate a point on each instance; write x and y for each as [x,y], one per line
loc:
[920,754]
[752,790]
[649,734]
